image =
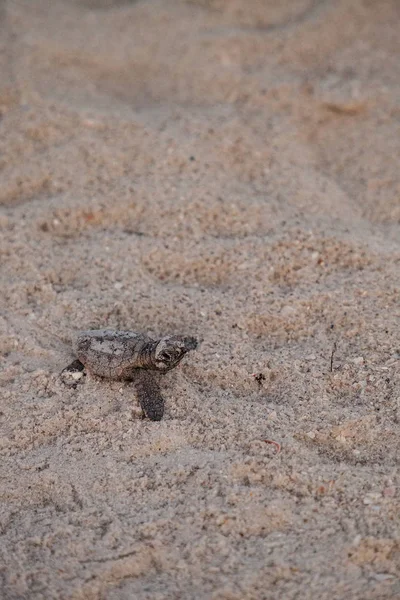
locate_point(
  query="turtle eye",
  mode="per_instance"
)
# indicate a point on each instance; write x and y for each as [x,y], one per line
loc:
[166,356]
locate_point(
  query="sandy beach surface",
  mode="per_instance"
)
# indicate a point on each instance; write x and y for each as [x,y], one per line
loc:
[229,170]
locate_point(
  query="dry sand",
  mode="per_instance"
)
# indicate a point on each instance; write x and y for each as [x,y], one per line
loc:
[227,169]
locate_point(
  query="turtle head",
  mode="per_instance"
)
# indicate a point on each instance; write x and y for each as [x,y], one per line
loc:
[170,351]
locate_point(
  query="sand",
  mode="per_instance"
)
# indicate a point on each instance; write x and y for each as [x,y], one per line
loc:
[227,170]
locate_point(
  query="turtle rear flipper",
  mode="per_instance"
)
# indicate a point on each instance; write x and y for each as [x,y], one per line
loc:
[73,373]
[149,395]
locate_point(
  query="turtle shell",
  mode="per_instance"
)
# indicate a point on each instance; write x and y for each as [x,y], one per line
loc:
[111,354]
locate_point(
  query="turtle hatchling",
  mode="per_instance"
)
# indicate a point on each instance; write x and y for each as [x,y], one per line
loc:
[133,357]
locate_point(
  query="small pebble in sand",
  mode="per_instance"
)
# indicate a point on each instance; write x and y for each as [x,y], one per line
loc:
[359,360]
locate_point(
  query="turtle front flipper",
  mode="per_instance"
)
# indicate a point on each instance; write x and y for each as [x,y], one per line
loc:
[149,394]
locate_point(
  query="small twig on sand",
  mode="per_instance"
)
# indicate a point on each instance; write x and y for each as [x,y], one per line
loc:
[276,444]
[332,355]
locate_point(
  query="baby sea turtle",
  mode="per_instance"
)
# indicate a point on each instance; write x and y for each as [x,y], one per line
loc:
[130,356]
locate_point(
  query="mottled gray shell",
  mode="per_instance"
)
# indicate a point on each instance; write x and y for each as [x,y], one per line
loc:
[112,354]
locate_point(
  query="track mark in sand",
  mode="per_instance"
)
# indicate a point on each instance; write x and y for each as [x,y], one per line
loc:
[208,269]
[82,216]
[355,441]
[377,554]
[103,4]
[335,132]
[22,190]
[258,18]
[306,318]
[112,570]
